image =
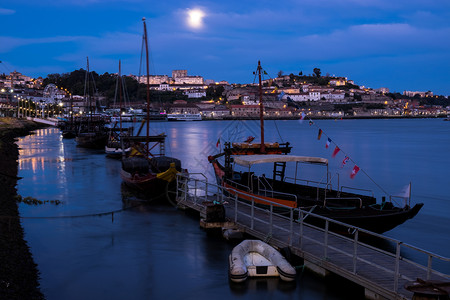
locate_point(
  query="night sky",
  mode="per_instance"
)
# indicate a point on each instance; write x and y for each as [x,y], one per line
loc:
[400,44]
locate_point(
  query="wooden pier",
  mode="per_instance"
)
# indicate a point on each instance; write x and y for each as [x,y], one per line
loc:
[383,273]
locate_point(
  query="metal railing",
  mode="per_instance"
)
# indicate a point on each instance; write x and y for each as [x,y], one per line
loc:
[357,189]
[295,234]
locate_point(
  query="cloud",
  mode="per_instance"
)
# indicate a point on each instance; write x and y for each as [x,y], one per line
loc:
[5,11]
[10,43]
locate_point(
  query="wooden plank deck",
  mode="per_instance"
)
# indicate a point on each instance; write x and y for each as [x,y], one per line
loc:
[374,269]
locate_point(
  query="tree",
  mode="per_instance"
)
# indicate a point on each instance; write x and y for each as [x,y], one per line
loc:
[280,73]
[300,73]
[214,91]
[317,72]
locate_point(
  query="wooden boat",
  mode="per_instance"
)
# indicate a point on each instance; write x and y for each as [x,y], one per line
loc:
[153,174]
[254,258]
[92,133]
[115,147]
[68,126]
[332,201]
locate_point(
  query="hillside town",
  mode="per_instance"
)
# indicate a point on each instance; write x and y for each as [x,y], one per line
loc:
[284,97]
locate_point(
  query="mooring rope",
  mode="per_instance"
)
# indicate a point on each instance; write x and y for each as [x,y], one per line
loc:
[76,216]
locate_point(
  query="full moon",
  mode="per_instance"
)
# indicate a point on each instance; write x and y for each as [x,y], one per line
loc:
[195,18]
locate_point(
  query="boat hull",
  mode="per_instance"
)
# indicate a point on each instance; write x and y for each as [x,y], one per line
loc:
[138,174]
[91,140]
[377,218]
[149,185]
[116,152]
[374,220]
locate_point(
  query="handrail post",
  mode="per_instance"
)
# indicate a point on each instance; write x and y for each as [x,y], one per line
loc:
[429,267]
[397,266]
[252,213]
[185,189]
[195,190]
[271,219]
[291,227]
[326,239]
[218,196]
[235,208]
[355,250]
[301,228]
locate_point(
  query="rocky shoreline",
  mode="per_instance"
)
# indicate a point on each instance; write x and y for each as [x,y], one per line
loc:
[19,276]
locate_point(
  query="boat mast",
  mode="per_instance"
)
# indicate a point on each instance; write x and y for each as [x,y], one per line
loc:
[261,110]
[148,88]
[120,97]
[87,88]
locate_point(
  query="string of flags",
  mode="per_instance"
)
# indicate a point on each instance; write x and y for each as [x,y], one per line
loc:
[336,150]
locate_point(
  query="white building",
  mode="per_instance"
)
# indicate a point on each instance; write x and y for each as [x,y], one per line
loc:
[334,96]
[188,80]
[179,73]
[421,94]
[154,79]
[301,97]
[195,93]
[247,100]
[338,81]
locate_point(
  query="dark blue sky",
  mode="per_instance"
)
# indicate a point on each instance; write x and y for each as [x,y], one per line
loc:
[400,44]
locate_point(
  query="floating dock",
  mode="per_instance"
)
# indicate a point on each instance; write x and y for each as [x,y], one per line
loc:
[383,274]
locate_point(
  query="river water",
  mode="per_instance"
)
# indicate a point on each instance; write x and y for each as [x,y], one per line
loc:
[159,252]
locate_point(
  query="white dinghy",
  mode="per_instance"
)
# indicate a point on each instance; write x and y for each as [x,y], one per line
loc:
[255,258]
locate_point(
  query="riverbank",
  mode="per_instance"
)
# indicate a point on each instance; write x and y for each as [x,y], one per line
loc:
[19,276]
[325,117]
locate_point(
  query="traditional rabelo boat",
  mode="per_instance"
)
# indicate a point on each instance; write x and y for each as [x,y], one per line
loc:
[91,130]
[323,199]
[152,174]
[115,148]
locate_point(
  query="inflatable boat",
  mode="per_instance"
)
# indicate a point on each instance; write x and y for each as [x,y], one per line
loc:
[255,258]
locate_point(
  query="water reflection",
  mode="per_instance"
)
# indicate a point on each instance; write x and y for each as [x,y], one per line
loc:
[147,250]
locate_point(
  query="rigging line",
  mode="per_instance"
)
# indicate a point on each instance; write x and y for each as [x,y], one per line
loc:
[126,97]
[279,134]
[115,92]
[343,152]
[3,63]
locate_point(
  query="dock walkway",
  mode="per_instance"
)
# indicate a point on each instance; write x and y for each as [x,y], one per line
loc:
[383,273]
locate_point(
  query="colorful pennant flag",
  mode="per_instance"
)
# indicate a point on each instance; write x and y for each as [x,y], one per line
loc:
[320,134]
[218,143]
[328,143]
[354,172]
[302,117]
[335,152]
[346,159]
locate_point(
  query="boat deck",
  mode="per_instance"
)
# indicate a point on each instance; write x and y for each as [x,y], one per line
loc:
[382,270]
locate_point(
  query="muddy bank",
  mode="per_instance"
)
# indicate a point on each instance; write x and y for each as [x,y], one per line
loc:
[19,276]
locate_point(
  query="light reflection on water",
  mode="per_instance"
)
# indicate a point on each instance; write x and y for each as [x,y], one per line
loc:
[147,251]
